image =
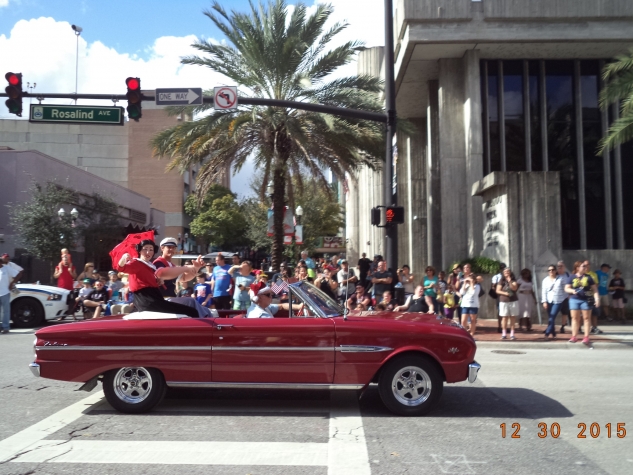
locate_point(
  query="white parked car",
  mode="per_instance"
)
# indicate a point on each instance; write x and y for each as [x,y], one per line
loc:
[35,304]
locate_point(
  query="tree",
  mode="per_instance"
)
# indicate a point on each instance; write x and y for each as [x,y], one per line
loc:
[218,219]
[283,56]
[99,226]
[42,232]
[618,78]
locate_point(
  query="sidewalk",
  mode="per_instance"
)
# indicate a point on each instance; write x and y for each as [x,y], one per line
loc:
[613,334]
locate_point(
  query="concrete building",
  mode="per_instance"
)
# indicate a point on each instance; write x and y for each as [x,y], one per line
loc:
[501,86]
[120,154]
[20,169]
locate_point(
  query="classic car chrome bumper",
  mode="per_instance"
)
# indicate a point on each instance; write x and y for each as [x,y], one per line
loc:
[35,369]
[473,369]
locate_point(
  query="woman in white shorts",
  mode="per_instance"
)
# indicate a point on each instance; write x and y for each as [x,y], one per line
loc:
[508,302]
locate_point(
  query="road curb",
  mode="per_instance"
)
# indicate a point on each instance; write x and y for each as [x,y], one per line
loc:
[536,345]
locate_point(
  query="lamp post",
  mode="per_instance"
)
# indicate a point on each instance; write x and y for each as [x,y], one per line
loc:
[77,29]
[298,214]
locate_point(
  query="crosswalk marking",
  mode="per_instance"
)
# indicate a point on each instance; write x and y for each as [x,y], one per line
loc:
[345,453]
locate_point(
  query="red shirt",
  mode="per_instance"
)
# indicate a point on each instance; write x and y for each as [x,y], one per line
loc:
[141,274]
[65,280]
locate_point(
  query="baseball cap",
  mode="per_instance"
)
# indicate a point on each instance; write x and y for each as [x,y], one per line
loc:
[5,255]
[87,281]
[112,272]
[169,241]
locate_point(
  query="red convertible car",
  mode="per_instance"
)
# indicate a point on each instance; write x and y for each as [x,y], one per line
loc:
[136,356]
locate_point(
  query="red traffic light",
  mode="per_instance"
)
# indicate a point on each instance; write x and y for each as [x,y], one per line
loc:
[133,84]
[394,214]
[14,79]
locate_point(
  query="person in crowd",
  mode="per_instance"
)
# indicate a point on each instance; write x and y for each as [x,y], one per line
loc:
[243,279]
[450,300]
[97,300]
[310,264]
[469,291]
[561,271]
[89,272]
[283,267]
[346,280]
[6,260]
[430,289]
[618,287]
[508,302]
[208,269]
[114,285]
[302,274]
[235,260]
[603,289]
[359,300]
[325,282]
[168,248]
[552,297]
[595,308]
[441,286]
[498,277]
[8,279]
[262,298]
[406,278]
[363,269]
[335,263]
[582,289]
[415,302]
[387,303]
[527,299]
[145,279]
[186,291]
[263,277]
[203,292]
[220,283]
[84,292]
[381,279]
[65,273]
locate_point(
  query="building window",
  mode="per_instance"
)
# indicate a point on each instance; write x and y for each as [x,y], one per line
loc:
[514,119]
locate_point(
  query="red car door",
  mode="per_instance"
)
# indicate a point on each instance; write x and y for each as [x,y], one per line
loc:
[273,350]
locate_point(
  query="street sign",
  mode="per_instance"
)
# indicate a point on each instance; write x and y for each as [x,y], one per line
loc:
[179,97]
[104,115]
[225,98]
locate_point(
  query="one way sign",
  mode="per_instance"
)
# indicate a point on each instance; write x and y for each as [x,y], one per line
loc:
[178,97]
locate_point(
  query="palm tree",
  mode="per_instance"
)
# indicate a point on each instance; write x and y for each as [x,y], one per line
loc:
[274,54]
[618,77]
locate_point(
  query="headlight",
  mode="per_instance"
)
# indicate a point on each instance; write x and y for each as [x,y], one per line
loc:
[54,297]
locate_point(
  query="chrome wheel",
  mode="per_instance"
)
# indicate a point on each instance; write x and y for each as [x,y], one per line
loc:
[411,386]
[132,385]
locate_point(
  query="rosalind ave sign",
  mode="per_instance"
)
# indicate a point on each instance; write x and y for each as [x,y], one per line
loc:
[107,115]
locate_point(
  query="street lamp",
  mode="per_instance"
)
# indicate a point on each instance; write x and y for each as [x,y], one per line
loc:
[61,213]
[270,189]
[74,214]
[77,29]
[299,213]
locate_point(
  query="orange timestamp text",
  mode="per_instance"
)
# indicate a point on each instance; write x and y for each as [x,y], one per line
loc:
[553,430]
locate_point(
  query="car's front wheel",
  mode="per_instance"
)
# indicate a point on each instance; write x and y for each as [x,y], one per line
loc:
[134,390]
[26,312]
[410,385]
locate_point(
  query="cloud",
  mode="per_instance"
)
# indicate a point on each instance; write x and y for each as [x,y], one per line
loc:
[4,3]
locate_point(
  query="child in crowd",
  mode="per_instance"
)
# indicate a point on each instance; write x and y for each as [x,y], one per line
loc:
[450,301]
[84,292]
[203,292]
[261,277]
[616,288]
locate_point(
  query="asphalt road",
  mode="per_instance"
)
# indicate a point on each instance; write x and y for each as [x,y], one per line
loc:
[254,432]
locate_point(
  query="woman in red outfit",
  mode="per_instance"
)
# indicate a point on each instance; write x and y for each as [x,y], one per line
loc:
[145,279]
[65,273]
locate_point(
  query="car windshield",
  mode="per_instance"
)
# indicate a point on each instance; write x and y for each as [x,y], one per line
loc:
[318,299]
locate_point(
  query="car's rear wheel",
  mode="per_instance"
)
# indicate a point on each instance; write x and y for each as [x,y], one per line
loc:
[26,312]
[134,390]
[410,385]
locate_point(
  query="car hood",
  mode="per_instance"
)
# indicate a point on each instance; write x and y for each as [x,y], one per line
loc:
[42,288]
[400,317]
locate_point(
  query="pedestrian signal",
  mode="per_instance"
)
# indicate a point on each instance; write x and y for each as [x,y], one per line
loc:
[14,91]
[394,215]
[375,216]
[134,98]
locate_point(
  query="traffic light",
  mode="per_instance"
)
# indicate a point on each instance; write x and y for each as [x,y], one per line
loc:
[134,98]
[14,91]
[375,216]
[394,214]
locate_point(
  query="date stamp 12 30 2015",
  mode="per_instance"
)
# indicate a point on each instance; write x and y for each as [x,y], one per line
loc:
[553,430]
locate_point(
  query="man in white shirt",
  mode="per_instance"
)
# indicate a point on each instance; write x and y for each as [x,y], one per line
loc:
[8,276]
[6,259]
[262,306]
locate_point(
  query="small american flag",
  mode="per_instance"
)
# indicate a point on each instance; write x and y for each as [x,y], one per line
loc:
[279,286]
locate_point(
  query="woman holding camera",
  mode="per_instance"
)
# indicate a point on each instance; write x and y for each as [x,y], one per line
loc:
[469,290]
[584,295]
[508,302]
[406,278]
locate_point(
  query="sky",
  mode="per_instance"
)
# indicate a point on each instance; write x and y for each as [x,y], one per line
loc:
[140,38]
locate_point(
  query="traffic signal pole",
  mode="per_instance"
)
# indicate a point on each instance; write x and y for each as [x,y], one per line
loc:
[391,198]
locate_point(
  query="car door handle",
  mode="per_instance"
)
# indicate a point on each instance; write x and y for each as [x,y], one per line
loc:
[220,327]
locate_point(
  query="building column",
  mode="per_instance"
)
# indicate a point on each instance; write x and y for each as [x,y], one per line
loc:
[473,135]
[454,189]
[433,188]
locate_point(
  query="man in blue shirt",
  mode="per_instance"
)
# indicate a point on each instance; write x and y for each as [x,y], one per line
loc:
[603,288]
[220,283]
[241,274]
